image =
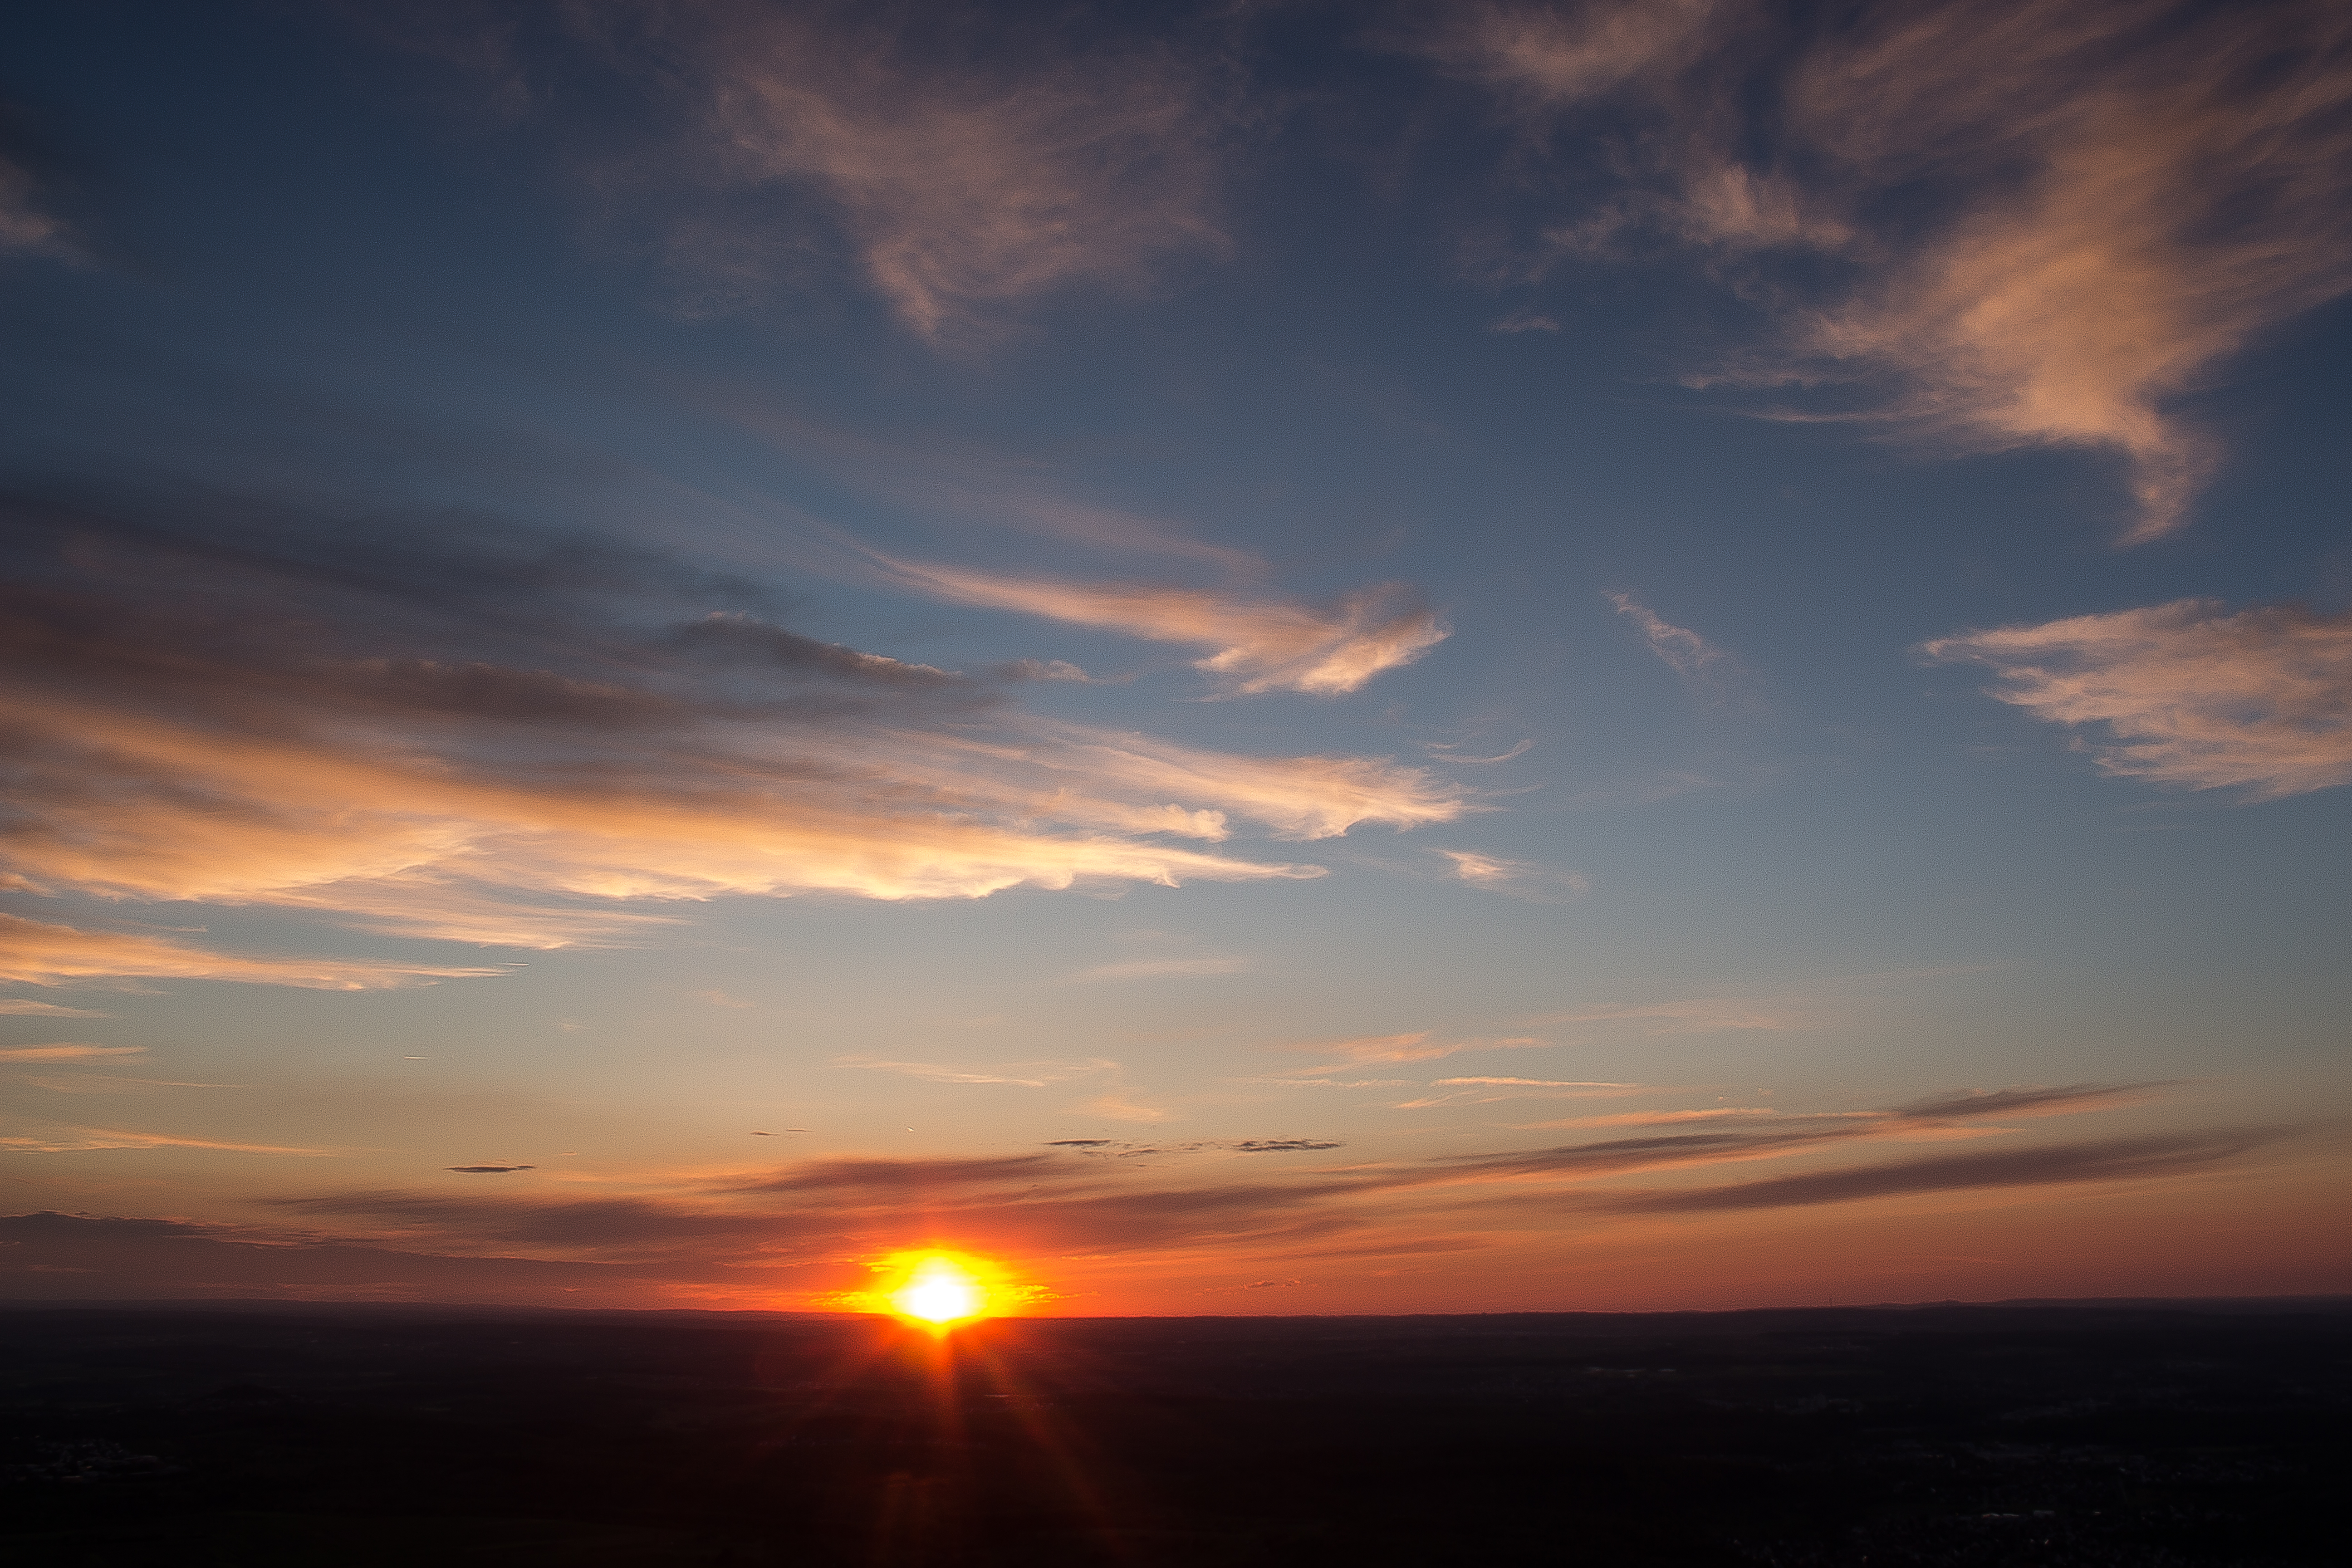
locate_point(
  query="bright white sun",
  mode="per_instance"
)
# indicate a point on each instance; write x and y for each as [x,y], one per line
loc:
[939,1291]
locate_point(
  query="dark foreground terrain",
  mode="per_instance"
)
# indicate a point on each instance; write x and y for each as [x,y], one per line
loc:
[2050,1435]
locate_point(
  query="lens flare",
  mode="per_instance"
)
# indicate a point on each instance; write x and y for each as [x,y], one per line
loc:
[940,1292]
[938,1289]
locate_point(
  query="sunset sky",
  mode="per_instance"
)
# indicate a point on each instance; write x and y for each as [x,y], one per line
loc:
[1257,657]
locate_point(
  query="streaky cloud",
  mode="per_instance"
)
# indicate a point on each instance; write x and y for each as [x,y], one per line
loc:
[564,765]
[42,954]
[66,1050]
[2112,1160]
[86,1139]
[2258,701]
[1261,645]
[2122,194]
[1515,878]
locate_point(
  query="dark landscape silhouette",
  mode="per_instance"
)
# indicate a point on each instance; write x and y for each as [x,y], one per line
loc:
[2139,1433]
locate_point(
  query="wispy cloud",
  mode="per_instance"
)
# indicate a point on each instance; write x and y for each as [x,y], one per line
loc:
[1788,1133]
[116,1083]
[86,1140]
[1685,652]
[66,1050]
[30,223]
[1516,879]
[41,953]
[1167,968]
[1421,1045]
[2258,701]
[1025,1074]
[2112,1160]
[1412,1048]
[1546,56]
[25,1006]
[1666,1118]
[973,161]
[1261,645]
[1286,1081]
[938,474]
[2122,194]
[1690,1016]
[1540,1082]
[27,226]
[1120,1106]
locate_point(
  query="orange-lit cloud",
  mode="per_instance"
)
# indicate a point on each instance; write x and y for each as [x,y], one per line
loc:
[1261,645]
[2259,700]
[2129,192]
[41,953]
[86,1139]
[1025,1075]
[1540,1083]
[1411,1048]
[967,180]
[241,753]
[1516,879]
[66,1050]
[1068,1203]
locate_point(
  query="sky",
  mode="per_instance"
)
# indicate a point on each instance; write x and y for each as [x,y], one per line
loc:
[1251,657]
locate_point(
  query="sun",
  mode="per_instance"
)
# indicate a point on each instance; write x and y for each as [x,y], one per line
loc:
[939,1289]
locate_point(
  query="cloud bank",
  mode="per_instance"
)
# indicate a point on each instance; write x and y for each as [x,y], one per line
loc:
[802,1226]
[463,730]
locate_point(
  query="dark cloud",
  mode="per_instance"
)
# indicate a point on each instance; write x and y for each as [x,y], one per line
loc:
[56,1257]
[901,1176]
[486,1170]
[1072,1202]
[634,1226]
[1282,1145]
[268,613]
[2029,1102]
[2115,1160]
[1780,1135]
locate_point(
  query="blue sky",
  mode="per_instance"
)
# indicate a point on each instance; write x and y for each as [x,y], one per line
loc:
[1287,659]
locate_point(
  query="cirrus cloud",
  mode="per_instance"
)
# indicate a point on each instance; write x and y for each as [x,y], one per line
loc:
[2184,694]
[1261,645]
[971,160]
[2049,222]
